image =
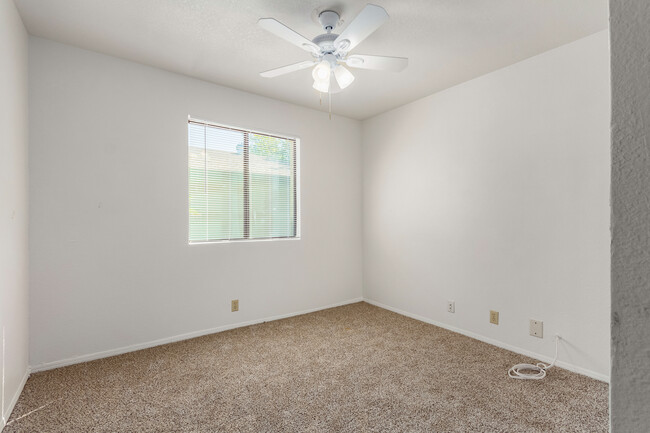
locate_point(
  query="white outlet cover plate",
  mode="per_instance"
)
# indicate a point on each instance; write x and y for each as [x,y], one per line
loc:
[451,306]
[537,328]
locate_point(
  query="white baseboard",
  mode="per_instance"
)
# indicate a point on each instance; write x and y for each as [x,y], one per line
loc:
[148,344]
[14,400]
[528,353]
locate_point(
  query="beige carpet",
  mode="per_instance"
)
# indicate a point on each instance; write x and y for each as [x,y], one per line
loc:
[356,368]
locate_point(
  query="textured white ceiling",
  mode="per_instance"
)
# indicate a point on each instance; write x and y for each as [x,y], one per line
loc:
[447,41]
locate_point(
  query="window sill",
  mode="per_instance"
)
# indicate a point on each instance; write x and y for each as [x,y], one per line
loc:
[236,241]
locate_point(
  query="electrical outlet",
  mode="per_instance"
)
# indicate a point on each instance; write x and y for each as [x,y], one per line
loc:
[451,307]
[536,328]
[234,305]
[494,317]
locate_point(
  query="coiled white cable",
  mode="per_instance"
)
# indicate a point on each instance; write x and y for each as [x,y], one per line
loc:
[530,371]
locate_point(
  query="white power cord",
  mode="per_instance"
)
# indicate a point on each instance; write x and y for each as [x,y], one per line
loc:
[530,371]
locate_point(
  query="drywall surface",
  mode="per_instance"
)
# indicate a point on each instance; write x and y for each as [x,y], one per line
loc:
[495,194]
[110,262]
[14,203]
[630,386]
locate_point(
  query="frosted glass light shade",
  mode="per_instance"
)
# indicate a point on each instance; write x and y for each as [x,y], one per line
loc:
[322,71]
[322,86]
[343,76]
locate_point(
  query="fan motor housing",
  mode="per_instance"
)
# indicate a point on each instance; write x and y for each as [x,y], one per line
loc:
[326,42]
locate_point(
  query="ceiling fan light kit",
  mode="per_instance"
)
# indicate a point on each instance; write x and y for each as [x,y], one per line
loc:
[330,51]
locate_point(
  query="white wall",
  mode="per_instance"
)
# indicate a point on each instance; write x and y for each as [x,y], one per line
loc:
[13,207]
[495,194]
[110,262]
[630,385]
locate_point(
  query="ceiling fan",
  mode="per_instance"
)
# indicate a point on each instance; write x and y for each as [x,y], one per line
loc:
[330,51]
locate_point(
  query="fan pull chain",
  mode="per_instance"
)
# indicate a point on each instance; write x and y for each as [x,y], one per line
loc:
[329,97]
[320,98]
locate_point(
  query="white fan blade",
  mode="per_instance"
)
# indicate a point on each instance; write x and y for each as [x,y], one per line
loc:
[286,69]
[368,20]
[377,63]
[279,29]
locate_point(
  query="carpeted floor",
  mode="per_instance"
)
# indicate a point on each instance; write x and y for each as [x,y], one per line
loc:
[356,368]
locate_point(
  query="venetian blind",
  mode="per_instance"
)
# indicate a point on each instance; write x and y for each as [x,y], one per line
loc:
[242,184]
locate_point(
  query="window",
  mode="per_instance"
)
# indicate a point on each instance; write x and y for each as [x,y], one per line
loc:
[242,184]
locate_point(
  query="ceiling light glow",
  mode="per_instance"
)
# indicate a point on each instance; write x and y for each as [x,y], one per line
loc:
[322,71]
